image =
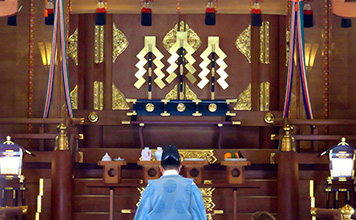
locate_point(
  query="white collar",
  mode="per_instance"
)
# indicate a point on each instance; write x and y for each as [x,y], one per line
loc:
[170,173]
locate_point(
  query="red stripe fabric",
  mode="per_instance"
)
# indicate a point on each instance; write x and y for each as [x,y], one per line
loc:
[256,11]
[210,10]
[100,10]
[308,12]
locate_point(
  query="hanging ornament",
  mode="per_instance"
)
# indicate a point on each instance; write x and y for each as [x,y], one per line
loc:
[178,7]
[100,18]
[210,13]
[146,13]
[308,15]
[256,17]
[346,22]
[49,13]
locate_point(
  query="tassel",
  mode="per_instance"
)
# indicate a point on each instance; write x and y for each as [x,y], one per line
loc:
[100,18]
[346,23]
[210,14]
[256,17]
[146,14]
[12,20]
[49,19]
[308,15]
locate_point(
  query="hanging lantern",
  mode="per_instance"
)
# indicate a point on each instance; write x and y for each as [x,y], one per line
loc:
[256,17]
[49,13]
[100,17]
[11,156]
[342,157]
[308,15]
[146,13]
[210,13]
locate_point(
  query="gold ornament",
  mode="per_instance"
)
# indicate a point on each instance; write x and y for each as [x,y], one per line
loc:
[181,107]
[120,43]
[150,107]
[212,107]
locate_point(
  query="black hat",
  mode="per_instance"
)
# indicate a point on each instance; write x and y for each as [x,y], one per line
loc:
[170,155]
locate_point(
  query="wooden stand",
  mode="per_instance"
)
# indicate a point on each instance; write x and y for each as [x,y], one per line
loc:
[112,170]
[150,170]
[194,169]
[235,171]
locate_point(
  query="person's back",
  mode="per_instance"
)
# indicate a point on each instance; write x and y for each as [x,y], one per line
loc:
[171,197]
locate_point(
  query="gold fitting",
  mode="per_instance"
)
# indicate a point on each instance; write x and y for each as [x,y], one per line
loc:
[126,122]
[208,182]
[165,114]
[269,118]
[287,142]
[82,120]
[131,113]
[133,101]
[220,125]
[93,117]
[218,212]
[197,114]
[228,113]
[126,211]
[273,137]
[181,107]
[236,122]
[150,107]
[81,136]
[229,101]
[141,124]
[212,107]
[196,101]
[62,139]
[313,211]
[165,101]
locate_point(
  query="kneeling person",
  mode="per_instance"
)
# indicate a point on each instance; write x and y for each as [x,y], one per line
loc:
[171,197]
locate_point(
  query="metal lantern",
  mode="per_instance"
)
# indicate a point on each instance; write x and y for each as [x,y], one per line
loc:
[342,157]
[11,156]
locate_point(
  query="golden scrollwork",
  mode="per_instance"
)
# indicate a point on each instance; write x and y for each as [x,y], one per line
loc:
[74,97]
[118,99]
[120,43]
[264,96]
[189,94]
[98,95]
[243,43]
[73,46]
[150,107]
[99,44]
[264,42]
[93,117]
[244,100]
[181,107]
[171,37]
[212,107]
[208,155]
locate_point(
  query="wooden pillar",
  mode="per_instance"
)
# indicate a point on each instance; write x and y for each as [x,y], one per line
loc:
[61,179]
[255,79]
[108,62]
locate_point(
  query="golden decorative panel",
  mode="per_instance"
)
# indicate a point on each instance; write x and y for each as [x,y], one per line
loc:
[73,46]
[189,94]
[120,43]
[244,100]
[99,44]
[118,99]
[264,96]
[98,95]
[264,42]
[243,43]
[171,37]
[208,155]
[74,97]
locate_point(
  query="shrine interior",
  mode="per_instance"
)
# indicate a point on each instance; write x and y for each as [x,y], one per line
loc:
[232,84]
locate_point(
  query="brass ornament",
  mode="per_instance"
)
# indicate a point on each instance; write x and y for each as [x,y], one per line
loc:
[182,41]
[213,46]
[150,46]
[150,107]
[269,118]
[243,43]
[118,99]
[208,155]
[181,107]
[171,37]
[189,94]
[99,44]
[73,46]
[98,95]
[93,117]
[347,211]
[62,139]
[212,107]
[287,142]
[264,96]
[120,43]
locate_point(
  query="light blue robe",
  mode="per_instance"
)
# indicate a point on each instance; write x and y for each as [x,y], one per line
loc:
[171,198]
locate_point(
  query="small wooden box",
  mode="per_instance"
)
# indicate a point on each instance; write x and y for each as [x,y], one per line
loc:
[235,171]
[150,170]
[112,170]
[194,169]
